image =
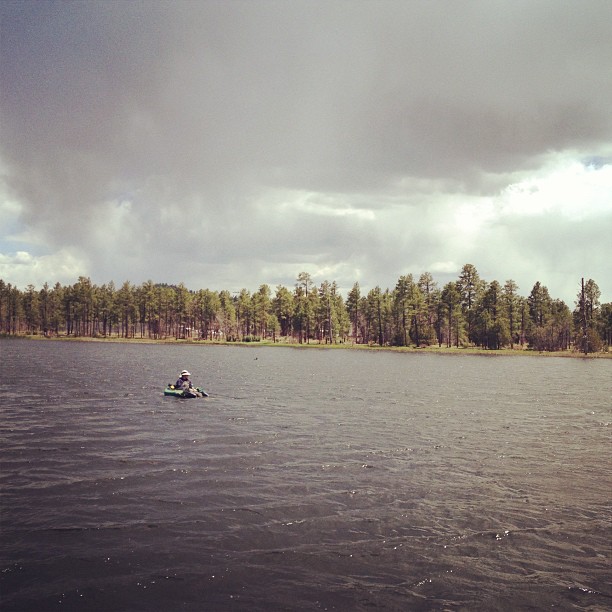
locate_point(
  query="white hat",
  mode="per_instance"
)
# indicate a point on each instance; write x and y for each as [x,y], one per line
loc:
[185,373]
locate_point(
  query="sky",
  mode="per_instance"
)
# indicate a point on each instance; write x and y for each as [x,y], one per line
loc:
[229,144]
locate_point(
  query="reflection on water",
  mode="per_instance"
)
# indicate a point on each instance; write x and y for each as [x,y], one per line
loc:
[310,479]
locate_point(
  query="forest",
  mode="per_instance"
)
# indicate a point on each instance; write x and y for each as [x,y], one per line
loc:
[468,312]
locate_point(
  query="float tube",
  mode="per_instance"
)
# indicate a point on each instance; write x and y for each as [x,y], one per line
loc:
[171,390]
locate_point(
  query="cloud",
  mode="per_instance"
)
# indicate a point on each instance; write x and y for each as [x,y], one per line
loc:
[562,187]
[232,144]
[64,266]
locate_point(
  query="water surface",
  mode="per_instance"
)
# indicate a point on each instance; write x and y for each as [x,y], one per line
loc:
[309,479]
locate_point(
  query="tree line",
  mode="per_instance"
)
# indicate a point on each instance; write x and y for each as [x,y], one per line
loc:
[416,312]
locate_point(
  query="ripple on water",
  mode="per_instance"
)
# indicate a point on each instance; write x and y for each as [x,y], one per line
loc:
[309,479]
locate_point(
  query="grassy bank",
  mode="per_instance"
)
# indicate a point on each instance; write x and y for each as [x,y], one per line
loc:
[435,350]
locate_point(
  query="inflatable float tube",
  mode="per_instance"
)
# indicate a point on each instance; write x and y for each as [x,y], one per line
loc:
[170,390]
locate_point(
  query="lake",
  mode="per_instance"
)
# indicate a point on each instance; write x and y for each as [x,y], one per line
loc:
[310,479]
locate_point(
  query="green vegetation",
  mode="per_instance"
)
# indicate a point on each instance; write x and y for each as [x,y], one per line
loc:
[467,313]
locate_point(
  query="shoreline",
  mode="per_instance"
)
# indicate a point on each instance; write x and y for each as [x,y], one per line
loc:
[431,350]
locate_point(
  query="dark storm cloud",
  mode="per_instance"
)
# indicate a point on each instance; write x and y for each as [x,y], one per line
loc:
[121,119]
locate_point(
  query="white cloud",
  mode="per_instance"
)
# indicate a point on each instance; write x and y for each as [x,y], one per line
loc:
[566,187]
[317,204]
[22,268]
[445,267]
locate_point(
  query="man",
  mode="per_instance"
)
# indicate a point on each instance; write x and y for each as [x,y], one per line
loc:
[183,382]
[187,386]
